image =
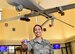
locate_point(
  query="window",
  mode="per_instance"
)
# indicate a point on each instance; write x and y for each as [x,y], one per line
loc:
[11,49]
[0,14]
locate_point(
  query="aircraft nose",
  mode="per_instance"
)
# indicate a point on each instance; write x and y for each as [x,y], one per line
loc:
[13,2]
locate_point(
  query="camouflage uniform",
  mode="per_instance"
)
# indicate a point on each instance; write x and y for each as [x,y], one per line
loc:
[40,48]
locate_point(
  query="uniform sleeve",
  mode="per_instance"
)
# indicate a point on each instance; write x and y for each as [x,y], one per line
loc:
[30,47]
[52,51]
[51,48]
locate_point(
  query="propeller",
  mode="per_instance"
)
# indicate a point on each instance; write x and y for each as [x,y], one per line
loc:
[10,19]
[21,17]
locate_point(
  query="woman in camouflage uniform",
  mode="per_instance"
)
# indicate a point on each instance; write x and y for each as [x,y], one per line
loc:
[38,45]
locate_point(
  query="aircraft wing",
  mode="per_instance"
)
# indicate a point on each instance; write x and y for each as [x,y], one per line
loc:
[33,14]
[52,10]
[65,7]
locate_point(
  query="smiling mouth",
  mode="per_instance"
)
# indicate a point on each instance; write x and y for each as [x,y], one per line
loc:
[37,33]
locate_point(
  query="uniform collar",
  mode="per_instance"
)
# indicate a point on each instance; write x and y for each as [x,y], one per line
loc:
[37,41]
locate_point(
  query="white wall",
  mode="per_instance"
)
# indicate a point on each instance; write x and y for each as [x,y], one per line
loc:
[73,47]
[58,51]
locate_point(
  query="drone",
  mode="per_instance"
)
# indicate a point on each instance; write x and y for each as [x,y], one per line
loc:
[37,10]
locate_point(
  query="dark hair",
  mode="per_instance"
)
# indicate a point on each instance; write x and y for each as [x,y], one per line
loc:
[37,25]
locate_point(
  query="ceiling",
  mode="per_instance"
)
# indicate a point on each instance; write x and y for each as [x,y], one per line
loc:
[59,30]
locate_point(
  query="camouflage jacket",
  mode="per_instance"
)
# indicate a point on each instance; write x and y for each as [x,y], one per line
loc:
[40,48]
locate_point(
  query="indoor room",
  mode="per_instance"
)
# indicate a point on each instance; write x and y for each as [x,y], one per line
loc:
[24,21]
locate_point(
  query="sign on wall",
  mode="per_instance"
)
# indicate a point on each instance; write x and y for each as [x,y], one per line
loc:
[56,46]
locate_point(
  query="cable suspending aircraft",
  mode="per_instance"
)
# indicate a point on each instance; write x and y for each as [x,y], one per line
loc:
[37,10]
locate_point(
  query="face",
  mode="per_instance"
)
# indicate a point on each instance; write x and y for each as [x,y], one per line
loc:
[37,31]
